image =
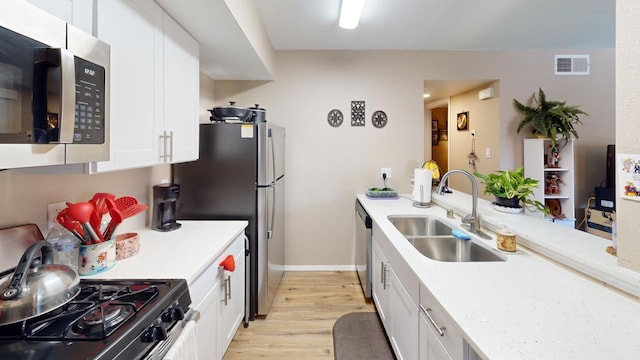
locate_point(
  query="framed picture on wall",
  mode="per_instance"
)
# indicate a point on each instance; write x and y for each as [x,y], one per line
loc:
[462,121]
[443,135]
[434,125]
[434,139]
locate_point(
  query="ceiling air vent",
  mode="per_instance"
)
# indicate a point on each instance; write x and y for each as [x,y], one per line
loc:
[572,65]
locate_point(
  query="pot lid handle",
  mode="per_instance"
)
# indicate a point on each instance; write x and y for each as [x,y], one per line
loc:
[19,278]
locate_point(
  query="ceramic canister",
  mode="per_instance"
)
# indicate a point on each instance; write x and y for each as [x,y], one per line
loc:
[506,241]
[96,258]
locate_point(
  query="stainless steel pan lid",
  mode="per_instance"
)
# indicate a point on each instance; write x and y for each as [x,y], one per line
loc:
[30,292]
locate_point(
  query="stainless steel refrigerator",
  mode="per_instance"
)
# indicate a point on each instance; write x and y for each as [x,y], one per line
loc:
[240,176]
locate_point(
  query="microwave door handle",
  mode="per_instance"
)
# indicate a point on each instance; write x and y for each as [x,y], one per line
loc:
[67,96]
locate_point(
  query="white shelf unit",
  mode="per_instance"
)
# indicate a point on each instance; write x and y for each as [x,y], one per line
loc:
[537,155]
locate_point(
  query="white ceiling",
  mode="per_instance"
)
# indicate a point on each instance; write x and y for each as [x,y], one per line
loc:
[226,53]
[442,24]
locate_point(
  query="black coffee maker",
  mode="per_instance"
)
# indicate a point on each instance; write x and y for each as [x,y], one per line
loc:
[164,207]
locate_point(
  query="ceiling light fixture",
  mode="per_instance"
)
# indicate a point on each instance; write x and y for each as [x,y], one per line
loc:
[350,13]
[426,95]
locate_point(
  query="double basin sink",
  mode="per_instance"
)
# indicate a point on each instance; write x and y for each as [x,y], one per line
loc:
[432,238]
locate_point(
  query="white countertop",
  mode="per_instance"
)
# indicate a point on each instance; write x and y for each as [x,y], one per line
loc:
[178,254]
[526,307]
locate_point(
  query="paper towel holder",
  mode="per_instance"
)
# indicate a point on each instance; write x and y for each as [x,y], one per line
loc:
[421,203]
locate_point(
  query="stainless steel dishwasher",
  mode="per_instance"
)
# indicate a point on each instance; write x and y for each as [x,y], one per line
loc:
[363,248]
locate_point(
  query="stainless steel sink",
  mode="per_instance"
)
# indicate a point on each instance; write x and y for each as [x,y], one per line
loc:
[411,225]
[452,249]
[432,238]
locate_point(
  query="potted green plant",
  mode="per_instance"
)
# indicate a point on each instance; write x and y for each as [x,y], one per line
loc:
[550,119]
[510,187]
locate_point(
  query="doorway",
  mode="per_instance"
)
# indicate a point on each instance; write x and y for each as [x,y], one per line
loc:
[437,119]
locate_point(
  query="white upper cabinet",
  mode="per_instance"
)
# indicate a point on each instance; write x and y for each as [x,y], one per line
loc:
[76,12]
[181,94]
[134,31]
[154,86]
[154,80]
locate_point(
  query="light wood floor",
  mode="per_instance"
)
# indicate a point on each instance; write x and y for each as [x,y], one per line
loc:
[300,322]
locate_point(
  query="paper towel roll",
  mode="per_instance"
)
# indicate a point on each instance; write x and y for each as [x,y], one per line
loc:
[422,178]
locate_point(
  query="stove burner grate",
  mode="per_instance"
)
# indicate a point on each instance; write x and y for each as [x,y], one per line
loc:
[96,313]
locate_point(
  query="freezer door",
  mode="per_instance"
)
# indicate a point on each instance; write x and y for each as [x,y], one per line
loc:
[277,144]
[271,143]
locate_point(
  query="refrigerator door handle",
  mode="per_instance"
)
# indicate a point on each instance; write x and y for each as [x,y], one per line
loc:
[273,186]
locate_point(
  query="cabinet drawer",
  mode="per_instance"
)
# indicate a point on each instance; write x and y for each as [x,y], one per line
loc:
[452,339]
[210,276]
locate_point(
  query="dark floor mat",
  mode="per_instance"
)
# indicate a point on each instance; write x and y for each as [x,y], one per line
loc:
[360,335]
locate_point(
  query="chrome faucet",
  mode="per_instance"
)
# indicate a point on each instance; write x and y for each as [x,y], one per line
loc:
[471,220]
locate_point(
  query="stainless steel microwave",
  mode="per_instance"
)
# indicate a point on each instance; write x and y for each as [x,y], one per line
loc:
[54,90]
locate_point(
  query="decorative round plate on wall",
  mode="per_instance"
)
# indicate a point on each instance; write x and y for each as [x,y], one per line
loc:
[335,118]
[379,119]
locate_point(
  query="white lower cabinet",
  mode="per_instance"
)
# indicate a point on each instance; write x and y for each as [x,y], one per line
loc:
[219,295]
[424,331]
[380,294]
[398,312]
[439,337]
[403,320]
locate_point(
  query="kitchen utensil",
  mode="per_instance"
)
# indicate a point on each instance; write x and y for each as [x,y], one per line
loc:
[99,202]
[96,216]
[70,224]
[116,219]
[28,293]
[125,201]
[230,112]
[132,210]
[81,212]
[129,206]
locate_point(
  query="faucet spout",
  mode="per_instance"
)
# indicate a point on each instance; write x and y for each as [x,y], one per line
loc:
[473,219]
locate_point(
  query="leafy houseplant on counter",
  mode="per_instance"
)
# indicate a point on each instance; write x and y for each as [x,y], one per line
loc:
[550,119]
[510,187]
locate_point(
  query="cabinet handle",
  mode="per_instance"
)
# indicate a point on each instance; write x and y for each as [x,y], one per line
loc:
[381,272]
[226,291]
[170,146]
[427,312]
[229,284]
[163,152]
[385,273]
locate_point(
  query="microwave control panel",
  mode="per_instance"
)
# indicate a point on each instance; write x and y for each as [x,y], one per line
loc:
[89,126]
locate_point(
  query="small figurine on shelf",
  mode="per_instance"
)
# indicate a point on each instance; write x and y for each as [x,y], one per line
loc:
[551,184]
[555,157]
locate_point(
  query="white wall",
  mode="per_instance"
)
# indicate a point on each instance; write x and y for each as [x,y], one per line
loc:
[327,166]
[627,124]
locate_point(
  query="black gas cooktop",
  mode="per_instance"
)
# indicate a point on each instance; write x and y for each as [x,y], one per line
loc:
[108,319]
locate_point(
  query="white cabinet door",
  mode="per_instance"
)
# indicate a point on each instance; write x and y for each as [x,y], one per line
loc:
[219,296]
[181,93]
[76,12]
[134,31]
[232,300]
[430,346]
[403,320]
[380,292]
[444,334]
[207,328]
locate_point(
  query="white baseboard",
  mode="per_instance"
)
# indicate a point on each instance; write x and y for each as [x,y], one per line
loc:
[319,268]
